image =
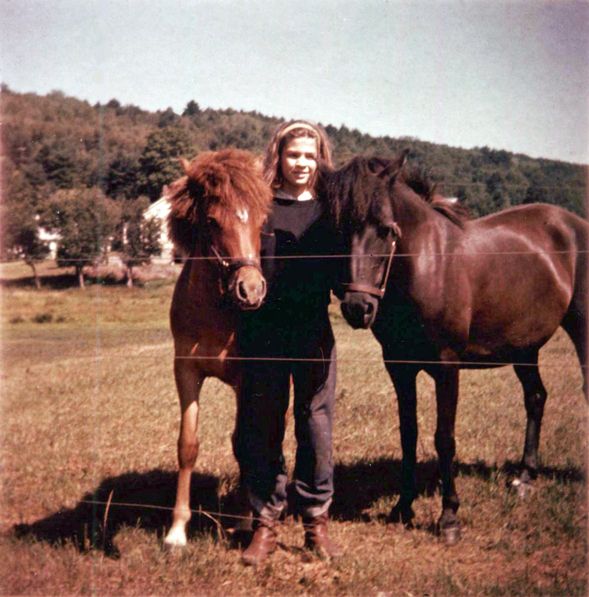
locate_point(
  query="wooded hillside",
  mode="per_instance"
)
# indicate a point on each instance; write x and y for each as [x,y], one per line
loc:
[56,142]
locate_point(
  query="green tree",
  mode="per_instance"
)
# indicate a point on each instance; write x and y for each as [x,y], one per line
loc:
[139,237]
[192,109]
[85,221]
[59,164]
[21,236]
[122,177]
[159,161]
[168,118]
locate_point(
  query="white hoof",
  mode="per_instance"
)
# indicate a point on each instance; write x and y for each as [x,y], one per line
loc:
[522,488]
[176,538]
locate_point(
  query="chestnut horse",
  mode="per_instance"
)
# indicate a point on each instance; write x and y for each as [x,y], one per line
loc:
[442,292]
[217,212]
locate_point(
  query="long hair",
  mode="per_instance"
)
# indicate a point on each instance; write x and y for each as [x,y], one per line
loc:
[282,135]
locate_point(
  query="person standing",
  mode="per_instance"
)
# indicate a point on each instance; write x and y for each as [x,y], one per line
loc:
[290,339]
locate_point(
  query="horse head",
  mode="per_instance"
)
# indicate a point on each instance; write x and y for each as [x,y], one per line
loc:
[359,197]
[217,212]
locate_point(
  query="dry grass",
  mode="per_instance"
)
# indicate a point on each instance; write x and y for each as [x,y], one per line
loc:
[90,412]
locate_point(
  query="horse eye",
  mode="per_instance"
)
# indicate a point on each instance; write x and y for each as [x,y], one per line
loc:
[383,231]
[212,223]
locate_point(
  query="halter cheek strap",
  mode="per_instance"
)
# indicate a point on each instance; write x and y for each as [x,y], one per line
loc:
[228,266]
[378,292]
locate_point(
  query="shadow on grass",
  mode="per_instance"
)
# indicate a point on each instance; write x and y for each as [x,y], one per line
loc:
[139,500]
[359,485]
[145,501]
[62,281]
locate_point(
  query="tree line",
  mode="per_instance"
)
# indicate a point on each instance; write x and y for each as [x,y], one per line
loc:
[113,159]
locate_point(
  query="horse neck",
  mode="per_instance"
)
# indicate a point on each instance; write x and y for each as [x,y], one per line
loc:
[423,251]
[423,229]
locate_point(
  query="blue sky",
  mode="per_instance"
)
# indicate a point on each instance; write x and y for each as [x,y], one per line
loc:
[509,75]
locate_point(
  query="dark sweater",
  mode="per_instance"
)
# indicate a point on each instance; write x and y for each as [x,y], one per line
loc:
[299,279]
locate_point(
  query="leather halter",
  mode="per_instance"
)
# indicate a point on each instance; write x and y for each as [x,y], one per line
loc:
[228,266]
[379,291]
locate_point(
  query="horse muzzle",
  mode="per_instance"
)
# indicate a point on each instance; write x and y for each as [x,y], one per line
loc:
[359,309]
[247,288]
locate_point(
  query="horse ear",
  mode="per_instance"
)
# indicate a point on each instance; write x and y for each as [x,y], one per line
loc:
[395,166]
[259,163]
[377,165]
[185,164]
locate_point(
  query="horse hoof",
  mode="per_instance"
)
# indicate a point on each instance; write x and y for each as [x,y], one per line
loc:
[523,488]
[403,515]
[174,551]
[451,535]
[175,541]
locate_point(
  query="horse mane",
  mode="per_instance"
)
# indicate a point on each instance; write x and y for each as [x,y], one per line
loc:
[228,180]
[351,189]
[418,181]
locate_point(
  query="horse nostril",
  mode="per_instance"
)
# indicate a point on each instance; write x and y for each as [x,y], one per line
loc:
[241,291]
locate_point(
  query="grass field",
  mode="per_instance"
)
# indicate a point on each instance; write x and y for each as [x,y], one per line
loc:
[89,414]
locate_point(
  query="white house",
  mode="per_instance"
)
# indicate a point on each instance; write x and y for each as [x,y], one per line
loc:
[51,238]
[160,210]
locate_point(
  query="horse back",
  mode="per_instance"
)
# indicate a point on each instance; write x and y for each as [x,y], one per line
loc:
[548,230]
[527,266]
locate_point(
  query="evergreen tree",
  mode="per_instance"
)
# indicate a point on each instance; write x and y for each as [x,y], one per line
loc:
[159,162]
[59,164]
[192,109]
[122,177]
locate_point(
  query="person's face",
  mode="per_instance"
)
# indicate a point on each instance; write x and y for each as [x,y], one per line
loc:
[298,163]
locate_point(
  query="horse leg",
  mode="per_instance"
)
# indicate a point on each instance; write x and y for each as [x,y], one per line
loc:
[189,382]
[404,380]
[447,384]
[534,398]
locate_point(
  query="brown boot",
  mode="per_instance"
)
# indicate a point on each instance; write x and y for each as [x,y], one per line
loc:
[317,539]
[263,542]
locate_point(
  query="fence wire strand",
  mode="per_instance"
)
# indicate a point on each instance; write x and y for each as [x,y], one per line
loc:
[370,255]
[208,513]
[462,364]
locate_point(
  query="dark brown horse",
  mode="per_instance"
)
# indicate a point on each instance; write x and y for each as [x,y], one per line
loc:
[217,212]
[442,292]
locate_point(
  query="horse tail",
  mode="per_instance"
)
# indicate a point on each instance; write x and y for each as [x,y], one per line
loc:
[575,320]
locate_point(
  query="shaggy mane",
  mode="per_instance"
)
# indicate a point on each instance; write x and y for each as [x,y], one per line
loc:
[226,180]
[417,180]
[352,189]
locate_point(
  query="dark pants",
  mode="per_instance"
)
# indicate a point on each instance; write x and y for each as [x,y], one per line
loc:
[262,406]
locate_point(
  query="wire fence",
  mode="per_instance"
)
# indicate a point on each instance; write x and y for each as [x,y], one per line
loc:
[429,254]
[409,362]
[214,515]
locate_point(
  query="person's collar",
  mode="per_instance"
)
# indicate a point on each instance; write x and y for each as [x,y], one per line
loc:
[304,196]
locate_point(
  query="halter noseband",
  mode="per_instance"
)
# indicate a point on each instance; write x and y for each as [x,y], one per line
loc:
[229,266]
[226,265]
